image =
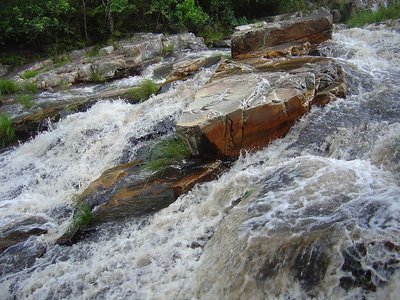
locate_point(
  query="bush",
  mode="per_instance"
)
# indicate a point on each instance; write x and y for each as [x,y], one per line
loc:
[210,35]
[366,17]
[8,87]
[144,90]
[29,74]
[25,100]
[189,15]
[7,134]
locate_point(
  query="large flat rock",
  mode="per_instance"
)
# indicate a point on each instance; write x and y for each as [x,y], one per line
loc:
[252,38]
[245,108]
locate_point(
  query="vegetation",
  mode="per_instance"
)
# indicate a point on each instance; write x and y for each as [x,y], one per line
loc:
[7,134]
[366,17]
[25,100]
[82,217]
[29,74]
[166,153]
[97,77]
[144,90]
[29,87]
[8,87]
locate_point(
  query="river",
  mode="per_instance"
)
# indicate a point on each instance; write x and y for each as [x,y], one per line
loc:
[314,214]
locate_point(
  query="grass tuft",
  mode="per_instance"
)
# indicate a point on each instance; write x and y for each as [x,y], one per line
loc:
[29,87]
[82,217]
[97,77]
[366,17]
[166,153]
[93,51]
[144,90]
[8,87]
[7,134]
[29,74]
[25,100]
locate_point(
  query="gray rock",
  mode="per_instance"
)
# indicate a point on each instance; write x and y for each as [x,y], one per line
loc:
[106,51]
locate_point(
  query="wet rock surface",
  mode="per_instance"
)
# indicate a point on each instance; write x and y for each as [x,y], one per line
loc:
[128,190]
[249,103]
[256,37]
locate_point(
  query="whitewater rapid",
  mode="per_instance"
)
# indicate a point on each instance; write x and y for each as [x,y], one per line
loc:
[331,184]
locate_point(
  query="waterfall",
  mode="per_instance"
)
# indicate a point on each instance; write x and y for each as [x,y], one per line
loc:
[301,218]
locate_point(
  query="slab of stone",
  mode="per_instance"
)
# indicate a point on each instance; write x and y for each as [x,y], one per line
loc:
[256,37]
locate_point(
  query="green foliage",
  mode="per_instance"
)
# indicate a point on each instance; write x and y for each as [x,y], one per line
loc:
[97,77]
[13,60]
[82,216]
[190,15]
[25,100]
[168,48]
[32,19]
[8,87]
[166,153]
[93,51]
[29,87]
[7,134]
[144,90]
[366,17]
[29,74]
[211,35]
[61,60]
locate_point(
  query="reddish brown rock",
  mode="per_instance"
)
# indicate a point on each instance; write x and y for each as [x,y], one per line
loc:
[249,103]
[257,37]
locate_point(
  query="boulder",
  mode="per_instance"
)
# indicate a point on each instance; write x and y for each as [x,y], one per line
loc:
[256,37]
[246,106]
[184,69]
[21,230]
[185,41]
[127,191]
[147,47]
[106,50]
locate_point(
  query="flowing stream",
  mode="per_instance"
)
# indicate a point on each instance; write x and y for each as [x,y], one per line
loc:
[314,214]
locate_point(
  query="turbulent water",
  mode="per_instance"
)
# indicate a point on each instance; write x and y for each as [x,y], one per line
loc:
[315,214]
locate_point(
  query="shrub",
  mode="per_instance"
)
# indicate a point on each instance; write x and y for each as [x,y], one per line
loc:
[7,134]
[144,90]
[25,100]
[8,87]
[61,60]
[29,74]
[210,35]
[366,17]
[166,153]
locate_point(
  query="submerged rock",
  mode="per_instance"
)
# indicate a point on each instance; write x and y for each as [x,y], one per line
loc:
[256,37]
[129,191]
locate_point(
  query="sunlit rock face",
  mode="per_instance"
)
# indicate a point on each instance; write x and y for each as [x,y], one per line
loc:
[256,37]
[249,103]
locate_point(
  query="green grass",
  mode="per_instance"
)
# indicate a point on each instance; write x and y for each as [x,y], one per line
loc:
[82,217]
[366,17]
[96,77]
[61,60]
[29,87]
[7,134]
[29,74]
[8,87]
[166,153]
[144,90]
[26,101]
[93,51]
[169,48]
